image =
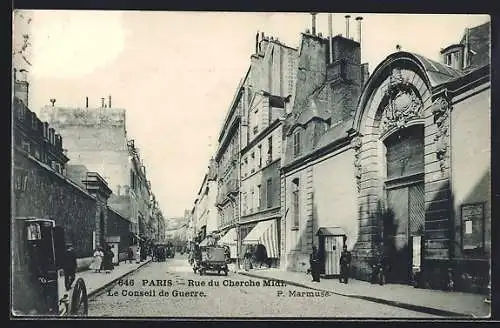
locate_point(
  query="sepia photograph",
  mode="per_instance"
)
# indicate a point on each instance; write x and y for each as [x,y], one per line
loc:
[246,165]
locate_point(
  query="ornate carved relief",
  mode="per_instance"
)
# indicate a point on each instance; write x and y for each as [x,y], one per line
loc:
[403,103]
[440,112]
[356,145]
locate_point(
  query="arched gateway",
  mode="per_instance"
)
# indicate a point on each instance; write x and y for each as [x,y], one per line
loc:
[397,144]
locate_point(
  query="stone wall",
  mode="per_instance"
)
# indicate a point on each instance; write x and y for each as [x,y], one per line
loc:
[119,226]
[51,195]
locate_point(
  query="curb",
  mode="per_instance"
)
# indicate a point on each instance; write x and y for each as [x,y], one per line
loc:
[97,291]
[412,307]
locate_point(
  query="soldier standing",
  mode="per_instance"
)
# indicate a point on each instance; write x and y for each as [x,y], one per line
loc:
[345,265]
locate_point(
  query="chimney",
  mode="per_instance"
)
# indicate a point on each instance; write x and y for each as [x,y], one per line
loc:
[313,23]
[102,102]
[466,49]
[359,19]
[53,101]
[330,34]
[109,101]
[257,42]
[347,26]
[86,102]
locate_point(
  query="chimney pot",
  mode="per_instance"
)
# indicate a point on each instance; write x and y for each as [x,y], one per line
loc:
[359,19]
[313,23]
[347,17]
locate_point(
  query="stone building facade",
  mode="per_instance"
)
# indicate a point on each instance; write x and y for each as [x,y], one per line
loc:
[206,214]
[227,159]
[268,89]
[388,166]
[315,192]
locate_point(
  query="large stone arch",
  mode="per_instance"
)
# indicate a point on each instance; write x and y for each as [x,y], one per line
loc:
[403,78]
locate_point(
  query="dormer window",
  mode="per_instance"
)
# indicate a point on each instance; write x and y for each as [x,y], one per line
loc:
[448,59]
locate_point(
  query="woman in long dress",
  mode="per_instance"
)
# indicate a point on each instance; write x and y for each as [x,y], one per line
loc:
[96,263]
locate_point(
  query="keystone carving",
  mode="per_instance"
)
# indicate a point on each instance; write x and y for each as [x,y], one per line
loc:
[403,106]
[356,145]
[440,112]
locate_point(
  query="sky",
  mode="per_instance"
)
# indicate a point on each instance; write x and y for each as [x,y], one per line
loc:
[176,72]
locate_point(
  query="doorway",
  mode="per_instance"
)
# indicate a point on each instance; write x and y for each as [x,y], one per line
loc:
[405,200]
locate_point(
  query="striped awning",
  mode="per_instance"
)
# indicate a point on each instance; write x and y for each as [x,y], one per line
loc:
[230,239]
[265,233]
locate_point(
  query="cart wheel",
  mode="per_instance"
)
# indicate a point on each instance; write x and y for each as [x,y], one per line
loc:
[79,300]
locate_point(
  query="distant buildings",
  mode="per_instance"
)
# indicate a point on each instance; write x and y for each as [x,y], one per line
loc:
[96,139]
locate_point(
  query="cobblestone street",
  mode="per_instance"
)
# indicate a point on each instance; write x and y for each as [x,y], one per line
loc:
[224,300]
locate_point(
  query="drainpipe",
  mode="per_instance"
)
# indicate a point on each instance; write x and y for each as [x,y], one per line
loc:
[330,34]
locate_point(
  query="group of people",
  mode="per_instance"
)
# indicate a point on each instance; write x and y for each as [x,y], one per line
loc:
[103,259]
[255,255]
[345,265]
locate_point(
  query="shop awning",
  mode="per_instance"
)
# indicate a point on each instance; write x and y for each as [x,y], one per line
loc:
[229,238]
[265,233]
[331,231]
[208,241]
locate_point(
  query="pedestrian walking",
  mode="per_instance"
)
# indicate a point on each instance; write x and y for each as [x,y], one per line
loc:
[69,266]
[261,255]
[130,255]
[138,255]
[314,262]
[345,265]
[97,261]
[107,263]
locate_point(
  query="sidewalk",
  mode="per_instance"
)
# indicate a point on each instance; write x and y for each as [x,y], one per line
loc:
[96,282]
[436,302]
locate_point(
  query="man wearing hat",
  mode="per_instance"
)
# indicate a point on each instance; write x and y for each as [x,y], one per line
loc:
[69,266]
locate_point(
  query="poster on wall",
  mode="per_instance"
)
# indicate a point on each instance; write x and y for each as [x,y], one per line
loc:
[472,226]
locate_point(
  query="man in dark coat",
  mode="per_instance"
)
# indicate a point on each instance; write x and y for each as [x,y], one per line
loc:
[314,262]
[130,255]
[345,265]
[69,266]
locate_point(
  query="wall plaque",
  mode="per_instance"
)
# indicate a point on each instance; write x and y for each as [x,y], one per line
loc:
[472,226]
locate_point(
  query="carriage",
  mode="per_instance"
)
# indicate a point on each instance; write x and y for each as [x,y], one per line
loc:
[38,277]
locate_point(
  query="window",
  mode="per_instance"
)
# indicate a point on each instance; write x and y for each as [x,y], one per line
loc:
[260,155]
[295,204]
[296,143]
[258,197]
[26,146]
[269,193]
[245,203]
[448,59]
[252,163]
[252,201]
[132,179]
[269,149]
